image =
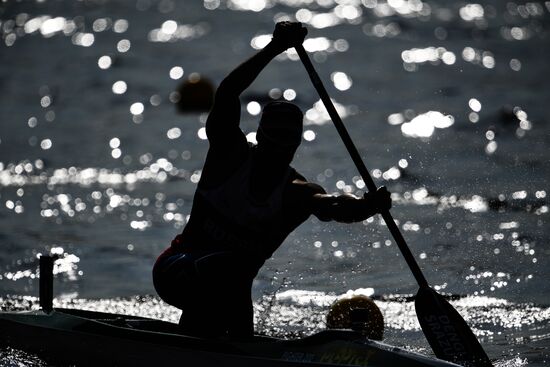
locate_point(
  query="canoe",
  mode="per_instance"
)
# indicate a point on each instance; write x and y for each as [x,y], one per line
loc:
[79,337]
[90,338]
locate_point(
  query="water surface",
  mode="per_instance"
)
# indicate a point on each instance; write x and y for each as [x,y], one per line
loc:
[446,101]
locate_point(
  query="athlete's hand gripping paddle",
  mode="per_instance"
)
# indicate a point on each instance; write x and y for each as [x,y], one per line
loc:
[448,334]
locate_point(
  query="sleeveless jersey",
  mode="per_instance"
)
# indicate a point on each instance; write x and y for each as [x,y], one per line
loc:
[227,217]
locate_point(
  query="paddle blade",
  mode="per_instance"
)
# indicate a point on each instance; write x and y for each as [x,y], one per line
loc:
[448,334]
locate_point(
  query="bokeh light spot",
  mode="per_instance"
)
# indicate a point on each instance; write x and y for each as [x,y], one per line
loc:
[104,62]
[253,108]
[137,108]
[123,45]
[176,72]
[119,87]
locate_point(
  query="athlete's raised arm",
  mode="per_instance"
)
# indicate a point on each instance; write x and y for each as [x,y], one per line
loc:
[223,121]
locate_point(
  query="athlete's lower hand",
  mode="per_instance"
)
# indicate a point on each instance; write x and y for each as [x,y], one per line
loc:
[379,199]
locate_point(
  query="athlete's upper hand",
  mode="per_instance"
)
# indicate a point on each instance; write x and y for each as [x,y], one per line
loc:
[288,34]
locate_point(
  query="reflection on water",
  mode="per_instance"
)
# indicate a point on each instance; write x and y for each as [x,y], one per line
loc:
[171,31]
[422,125]
[479,57]
[424,55]
[445,101]
[26,270]
[332,14]
[14,357]
[320,46]
[318,115]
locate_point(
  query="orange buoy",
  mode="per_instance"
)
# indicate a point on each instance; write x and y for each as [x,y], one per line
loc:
[196,94]
[358,313]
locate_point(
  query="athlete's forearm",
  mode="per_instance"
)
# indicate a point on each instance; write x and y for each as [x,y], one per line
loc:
[241,78]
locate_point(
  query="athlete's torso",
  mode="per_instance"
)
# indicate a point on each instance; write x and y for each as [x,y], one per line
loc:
[227,217]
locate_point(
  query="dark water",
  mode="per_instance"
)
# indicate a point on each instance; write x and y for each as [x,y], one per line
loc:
[446,101]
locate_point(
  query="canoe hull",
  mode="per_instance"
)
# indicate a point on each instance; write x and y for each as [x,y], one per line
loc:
[94,338]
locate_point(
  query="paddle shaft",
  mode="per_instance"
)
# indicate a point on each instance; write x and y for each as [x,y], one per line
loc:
[447,332]
[363,171]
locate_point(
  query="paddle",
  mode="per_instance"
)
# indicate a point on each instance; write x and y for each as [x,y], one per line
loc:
[446,331]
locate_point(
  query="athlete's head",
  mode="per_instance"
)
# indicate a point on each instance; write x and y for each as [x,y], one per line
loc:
[280,126]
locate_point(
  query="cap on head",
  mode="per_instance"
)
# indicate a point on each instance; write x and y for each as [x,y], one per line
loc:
[281,123]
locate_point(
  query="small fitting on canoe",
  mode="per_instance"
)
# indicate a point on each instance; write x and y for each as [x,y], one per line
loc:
[46,282]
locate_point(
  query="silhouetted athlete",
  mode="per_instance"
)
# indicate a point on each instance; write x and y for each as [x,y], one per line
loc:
[247,201]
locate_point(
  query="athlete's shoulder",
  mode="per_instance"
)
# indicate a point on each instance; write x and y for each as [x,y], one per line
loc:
[299,198]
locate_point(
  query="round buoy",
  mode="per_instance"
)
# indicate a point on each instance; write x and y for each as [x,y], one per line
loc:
[196,94]
[359,313]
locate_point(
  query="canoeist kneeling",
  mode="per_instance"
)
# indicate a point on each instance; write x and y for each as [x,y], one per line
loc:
[248,200]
